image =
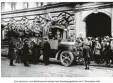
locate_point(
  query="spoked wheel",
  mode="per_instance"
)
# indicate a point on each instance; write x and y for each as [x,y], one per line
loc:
[66,58]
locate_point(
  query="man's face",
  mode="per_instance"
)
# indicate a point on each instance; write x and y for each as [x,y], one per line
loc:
[96,41]
[107,43]
[45,40]
[26,41]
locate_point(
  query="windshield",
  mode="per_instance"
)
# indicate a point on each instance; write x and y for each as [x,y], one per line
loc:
[55,33]
[69,36]
[62,34]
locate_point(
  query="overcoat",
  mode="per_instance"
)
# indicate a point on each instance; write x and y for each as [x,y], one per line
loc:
[36,51]
[11,50]
[26,51]
[97,49]
[86,52]
[107,52]
[46,51]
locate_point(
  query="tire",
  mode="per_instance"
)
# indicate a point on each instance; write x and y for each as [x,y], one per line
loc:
[66,58]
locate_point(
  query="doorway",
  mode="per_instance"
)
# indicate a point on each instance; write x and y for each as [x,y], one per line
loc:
[98,25]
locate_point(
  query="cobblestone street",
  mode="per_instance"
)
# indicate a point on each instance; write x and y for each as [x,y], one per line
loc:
[53,70]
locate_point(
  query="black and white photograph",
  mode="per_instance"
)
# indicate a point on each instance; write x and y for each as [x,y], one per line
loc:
[56,39]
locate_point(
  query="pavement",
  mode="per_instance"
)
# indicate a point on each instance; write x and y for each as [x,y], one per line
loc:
[54,69]
[4,51]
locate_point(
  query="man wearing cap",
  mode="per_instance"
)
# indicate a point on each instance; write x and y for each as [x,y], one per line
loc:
[86,53]
[46,51]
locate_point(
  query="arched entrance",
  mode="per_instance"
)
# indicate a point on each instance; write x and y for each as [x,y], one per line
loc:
[98,25]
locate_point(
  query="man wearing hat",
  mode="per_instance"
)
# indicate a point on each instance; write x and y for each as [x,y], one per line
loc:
[26,53]
[97,51]
[35,52]
[103,46]
[46,51]
[86,53]
[11,51]
[107,53]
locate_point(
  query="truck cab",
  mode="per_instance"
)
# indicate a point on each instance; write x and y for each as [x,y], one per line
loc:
[62,45]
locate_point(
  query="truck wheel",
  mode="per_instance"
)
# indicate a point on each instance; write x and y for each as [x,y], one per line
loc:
[66,58]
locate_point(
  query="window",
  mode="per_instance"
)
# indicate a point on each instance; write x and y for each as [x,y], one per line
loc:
[2,6]
[25,4]
[13,5]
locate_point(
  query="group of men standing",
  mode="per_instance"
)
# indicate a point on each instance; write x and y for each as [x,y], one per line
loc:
[28,53]
[101,51]
[93,49]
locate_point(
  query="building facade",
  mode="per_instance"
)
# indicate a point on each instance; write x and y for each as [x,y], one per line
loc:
[86,18]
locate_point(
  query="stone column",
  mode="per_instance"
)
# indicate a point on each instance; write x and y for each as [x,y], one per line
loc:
[80,25]
[77,23]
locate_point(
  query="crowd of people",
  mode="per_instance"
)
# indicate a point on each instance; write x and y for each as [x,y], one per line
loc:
[97,49]
[28,52]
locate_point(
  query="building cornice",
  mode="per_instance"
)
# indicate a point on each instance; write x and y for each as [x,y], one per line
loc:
[83,6]
[36,9]
[91,6]
[74,6]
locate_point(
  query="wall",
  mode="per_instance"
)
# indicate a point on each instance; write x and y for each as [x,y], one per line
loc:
[79,13]
[84,12]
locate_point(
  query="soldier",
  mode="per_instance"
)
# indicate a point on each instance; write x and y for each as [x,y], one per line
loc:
[107,53]
[35,52]
[11,51]
[86,54]
[26,53]
[103,44]
[46,52]
[92,49]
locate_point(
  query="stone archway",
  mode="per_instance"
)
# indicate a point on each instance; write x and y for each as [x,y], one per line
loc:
[98,24]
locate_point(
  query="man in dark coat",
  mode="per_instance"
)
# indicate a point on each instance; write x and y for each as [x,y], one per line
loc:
[26,53]
[86,54]
[35,52]
[11,51]
[92,49]
[107,53]
[46,52]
